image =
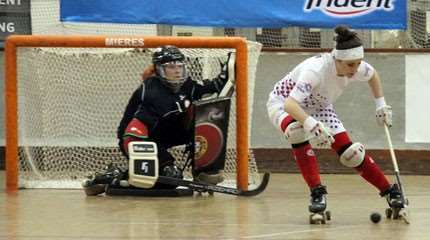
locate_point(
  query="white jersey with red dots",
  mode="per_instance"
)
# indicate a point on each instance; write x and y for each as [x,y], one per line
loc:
[315,85]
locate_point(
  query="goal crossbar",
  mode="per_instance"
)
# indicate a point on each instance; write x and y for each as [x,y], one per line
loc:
[11,91]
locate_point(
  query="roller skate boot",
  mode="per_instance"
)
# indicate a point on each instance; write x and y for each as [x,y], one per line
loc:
[318,206]
[396,204]
[212,177]
[96,184]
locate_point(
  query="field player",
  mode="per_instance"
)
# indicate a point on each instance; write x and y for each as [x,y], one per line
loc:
[301,107]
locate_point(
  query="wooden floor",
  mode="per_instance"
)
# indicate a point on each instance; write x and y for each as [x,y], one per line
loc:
[278,213]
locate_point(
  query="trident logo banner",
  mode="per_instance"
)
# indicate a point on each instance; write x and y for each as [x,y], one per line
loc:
[364,14]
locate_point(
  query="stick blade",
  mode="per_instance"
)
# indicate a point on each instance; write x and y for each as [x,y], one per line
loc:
[404,214]
[259,189]
[206,187]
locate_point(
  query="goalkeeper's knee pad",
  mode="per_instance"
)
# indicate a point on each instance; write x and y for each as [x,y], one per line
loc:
[143,164]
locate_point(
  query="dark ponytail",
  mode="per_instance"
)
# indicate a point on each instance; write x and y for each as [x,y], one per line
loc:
[345,38]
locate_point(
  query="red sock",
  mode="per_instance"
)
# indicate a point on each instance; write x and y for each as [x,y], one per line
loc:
[307,162]
[369,170]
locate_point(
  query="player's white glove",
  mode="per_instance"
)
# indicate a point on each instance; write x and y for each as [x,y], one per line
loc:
[384,115]
[318,131]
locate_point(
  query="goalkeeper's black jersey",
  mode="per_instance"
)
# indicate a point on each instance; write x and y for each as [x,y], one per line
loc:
[162,111]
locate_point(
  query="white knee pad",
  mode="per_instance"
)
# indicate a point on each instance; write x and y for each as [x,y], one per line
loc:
[295,133]
[353,156]
[143,164]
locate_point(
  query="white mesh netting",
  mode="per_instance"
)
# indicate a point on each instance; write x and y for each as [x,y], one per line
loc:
[70,102]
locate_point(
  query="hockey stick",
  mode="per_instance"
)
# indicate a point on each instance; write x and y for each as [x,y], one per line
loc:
[404,213]
[228,89]
[205,187]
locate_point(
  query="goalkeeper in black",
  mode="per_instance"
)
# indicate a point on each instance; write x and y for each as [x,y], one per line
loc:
[159,110]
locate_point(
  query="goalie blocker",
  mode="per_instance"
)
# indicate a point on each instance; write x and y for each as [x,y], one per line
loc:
[208,148]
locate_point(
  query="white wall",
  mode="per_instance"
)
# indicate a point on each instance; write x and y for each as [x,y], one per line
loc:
[417,98]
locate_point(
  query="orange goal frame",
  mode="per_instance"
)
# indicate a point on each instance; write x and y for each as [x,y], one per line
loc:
[15,41]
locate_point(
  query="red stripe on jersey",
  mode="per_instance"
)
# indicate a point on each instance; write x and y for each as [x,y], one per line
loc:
[136,128]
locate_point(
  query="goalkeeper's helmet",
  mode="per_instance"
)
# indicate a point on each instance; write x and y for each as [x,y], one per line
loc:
[170,66]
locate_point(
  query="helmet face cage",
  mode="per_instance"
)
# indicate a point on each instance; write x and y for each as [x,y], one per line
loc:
[170,66]
[173,74]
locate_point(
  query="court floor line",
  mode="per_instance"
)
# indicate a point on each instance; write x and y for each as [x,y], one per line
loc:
[323,228]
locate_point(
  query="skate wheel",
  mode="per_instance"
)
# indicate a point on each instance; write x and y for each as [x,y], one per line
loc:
[317,218]
[311,220]
[124,183]
[86,183]
[328,215]
[388,212]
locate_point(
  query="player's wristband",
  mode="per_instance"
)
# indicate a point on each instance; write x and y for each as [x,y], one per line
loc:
[380,102]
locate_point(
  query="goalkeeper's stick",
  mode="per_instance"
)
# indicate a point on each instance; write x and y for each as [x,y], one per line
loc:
[206,187]
[228,88]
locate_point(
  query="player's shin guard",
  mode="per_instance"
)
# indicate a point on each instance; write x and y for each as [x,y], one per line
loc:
[307,163]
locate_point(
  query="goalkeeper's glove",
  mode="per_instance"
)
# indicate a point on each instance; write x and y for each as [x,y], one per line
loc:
[222,77]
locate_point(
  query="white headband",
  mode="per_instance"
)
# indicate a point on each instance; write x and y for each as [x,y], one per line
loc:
[349,54]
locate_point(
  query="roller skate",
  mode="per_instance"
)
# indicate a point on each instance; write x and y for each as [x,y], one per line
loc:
[397,204]
[213,177]
[210,177]
[96,184]
[318,205]
[172,171]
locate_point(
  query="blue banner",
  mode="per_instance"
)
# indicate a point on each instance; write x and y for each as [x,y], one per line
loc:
[359,14]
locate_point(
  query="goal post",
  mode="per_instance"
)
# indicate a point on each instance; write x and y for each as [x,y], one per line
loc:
[14,121]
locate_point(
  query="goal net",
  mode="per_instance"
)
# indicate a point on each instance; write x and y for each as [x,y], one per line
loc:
[70,96]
